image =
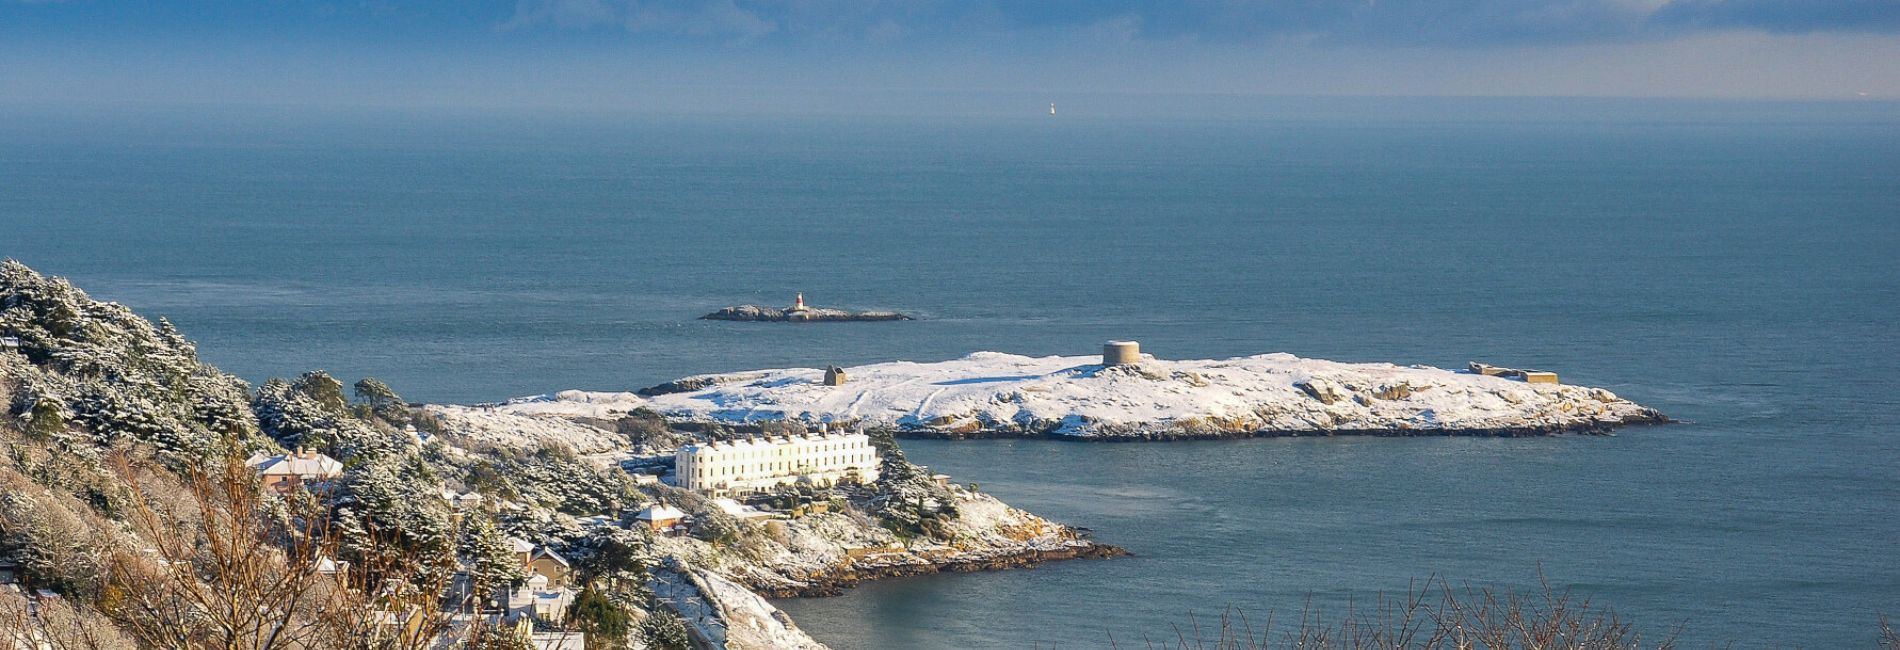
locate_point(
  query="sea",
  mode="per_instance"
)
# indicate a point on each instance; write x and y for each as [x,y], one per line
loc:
[1735,264]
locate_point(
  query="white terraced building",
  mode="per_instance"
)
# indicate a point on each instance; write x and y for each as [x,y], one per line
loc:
[755,464]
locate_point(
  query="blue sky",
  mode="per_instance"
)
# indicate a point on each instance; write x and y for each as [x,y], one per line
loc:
[612,53]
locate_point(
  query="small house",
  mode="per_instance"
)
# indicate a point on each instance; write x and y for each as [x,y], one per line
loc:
[302,468]
[661,517]
[834,376]
[550,565]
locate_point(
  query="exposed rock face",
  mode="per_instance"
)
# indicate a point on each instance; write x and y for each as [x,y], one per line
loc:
[824,553]
[990,394]
[723,615]
[809,315]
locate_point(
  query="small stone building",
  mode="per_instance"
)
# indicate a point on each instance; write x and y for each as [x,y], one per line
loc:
[834,376]
[1121,353]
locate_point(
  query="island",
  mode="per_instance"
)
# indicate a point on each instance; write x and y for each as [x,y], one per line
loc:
[799,312]
[1127,396]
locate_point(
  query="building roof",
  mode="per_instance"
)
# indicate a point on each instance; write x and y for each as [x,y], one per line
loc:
[306,464]
[660,512]
[765,442]
[550,555]
[740,510]
[521,545]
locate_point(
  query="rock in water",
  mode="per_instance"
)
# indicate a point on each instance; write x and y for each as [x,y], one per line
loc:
[808,315]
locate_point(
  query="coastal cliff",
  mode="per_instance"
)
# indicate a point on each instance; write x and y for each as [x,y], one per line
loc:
[991,394]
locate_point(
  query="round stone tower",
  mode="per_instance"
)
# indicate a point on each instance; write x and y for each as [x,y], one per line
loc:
[1119,353]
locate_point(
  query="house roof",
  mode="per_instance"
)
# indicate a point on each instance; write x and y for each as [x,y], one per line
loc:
[309,464]
[660,511]
[740,510]
[545,553]
[521,545]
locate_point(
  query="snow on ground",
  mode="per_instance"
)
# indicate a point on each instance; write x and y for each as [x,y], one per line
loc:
[511,428]
[992,392]
[726,615]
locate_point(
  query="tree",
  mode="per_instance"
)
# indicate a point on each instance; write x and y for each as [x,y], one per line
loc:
[323,388]
[382,402]
[226,566]
[494,566]
[55,624]
[47,418]
[604,621]
[391,508]
[663,630]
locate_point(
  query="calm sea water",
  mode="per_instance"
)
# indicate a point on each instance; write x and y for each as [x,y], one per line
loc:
[1736,265]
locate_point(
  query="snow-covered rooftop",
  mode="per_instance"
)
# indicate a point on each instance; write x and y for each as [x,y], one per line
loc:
[660,512]
[305,464]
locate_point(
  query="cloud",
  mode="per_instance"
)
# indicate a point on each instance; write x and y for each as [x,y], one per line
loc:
[717,18]
[1453,23]
[1779,16]
[721,18]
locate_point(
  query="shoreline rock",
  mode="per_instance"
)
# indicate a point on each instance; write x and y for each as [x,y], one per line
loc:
[1653,418]
[835,583]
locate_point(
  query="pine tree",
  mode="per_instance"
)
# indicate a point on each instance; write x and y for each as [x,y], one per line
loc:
[383,402]
[604,621]
[663,630]
[494,566]
[326,390]
[47,418]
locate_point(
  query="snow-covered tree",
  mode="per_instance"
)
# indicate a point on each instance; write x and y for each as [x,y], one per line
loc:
[380,401]
[392,507]
[289,413]
[492,564]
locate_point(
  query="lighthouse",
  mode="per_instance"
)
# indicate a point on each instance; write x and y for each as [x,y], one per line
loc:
[799,304]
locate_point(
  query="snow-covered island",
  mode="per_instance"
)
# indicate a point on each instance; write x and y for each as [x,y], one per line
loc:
[992,394]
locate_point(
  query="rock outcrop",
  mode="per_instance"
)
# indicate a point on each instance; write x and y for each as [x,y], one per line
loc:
[808,315]
[722,615]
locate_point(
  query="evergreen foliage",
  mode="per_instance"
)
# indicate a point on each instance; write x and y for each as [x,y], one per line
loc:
[112,376]
[605,622]
[389,507]
[491,563]
[381,402]
[663,630]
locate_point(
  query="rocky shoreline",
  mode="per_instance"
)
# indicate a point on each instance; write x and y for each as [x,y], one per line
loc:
[1652,418]
[835,582]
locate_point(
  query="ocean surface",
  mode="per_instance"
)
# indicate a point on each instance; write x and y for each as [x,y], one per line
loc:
[1734,264]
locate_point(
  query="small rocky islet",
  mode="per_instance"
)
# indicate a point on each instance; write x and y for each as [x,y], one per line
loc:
[799,312]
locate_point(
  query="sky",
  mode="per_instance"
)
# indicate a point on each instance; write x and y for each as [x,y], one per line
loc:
[764,53]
